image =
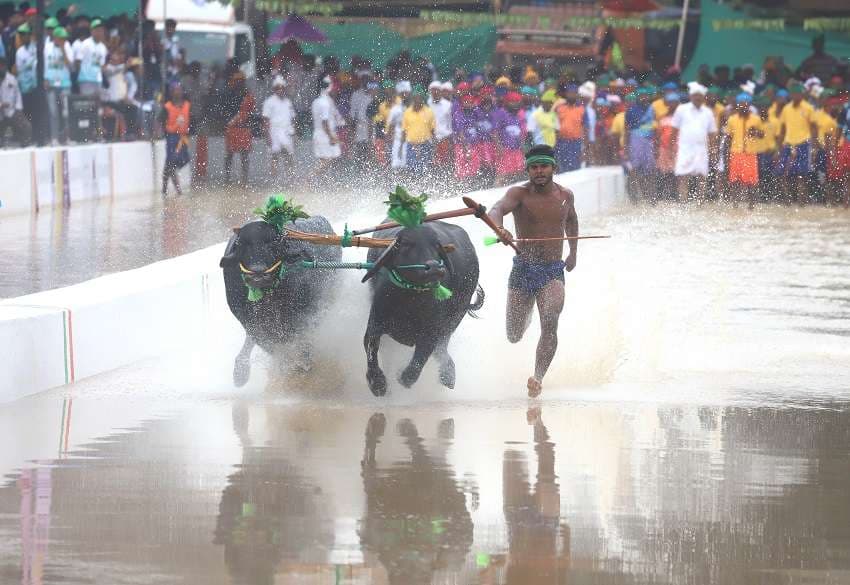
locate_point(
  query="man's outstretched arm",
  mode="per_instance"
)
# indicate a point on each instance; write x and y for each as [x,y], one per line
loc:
[505,206]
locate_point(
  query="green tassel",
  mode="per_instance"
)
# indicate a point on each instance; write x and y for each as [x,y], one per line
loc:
[490,240]
[442,293]
[347,237]
[255,294]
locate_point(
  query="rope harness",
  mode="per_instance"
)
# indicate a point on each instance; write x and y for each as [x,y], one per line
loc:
[440,292]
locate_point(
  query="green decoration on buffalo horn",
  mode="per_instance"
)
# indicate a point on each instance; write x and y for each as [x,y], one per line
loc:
[406,209]
[279,212]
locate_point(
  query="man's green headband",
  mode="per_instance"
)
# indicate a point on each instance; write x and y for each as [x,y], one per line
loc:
[539,159]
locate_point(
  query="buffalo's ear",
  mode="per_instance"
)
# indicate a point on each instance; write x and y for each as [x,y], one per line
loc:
[382,260]
[230,251]
[447,248]
[236,230]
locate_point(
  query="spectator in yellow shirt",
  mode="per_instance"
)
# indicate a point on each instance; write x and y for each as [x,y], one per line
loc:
[745,131]
[766,147]
[797,129]
[417,133]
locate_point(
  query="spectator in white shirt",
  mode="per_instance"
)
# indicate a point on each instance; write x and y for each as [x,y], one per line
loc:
[58,62]
[278,116]
[11,108]
[359,112]
[442,108]
[90,57]
[326,121]
[25,64]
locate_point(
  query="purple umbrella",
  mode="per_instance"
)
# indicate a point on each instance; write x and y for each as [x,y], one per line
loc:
[298,28]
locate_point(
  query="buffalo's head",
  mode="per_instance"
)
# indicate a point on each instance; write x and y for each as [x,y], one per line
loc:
[416,255]
[260,252]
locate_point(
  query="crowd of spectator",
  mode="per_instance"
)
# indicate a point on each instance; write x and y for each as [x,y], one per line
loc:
[780,134]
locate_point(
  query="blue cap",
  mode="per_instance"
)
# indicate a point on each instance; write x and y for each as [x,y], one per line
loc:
[782,93]
[602,102]
[669,85]
[671,96]
[571,87]
[744,98]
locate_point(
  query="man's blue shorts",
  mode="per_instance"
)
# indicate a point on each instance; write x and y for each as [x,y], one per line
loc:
[531,277]
[794,160]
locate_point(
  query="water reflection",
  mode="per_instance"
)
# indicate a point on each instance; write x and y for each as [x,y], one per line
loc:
[538,540]
[416,520]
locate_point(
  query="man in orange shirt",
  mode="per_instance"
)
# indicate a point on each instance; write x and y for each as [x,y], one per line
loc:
[571,130]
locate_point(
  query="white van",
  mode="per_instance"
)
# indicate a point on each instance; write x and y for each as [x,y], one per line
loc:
[208,32]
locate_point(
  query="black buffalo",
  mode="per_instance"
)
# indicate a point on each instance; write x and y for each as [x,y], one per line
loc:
[290,301]
[403,302]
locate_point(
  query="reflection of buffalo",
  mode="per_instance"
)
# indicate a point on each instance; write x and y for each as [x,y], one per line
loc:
[405,304]
[291,298]
[533,515]
[416,518]
[269,515]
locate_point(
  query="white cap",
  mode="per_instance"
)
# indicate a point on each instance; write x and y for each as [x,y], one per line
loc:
[614,99]
[447,86]
[403,87]
[435,85]
[811,82]
[278,81]
[587,89]
[816,91]
[696,87]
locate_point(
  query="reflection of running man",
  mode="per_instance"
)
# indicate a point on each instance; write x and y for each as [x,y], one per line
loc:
[542,209]
[539,544]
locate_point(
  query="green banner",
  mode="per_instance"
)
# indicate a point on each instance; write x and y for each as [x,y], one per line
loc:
[286,6]
[719,24]
[647,23]
[476,18]
[824,24]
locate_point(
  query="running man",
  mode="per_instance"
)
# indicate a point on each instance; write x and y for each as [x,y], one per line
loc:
[542,209]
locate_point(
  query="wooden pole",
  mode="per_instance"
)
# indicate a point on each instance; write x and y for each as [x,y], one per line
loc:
[432,217]
[480,213]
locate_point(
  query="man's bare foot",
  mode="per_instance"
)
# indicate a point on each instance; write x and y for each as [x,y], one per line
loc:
[535,387]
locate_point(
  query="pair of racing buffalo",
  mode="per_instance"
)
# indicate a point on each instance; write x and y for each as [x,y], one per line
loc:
[408,280]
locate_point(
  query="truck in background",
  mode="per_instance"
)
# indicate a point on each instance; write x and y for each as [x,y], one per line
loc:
[208,32]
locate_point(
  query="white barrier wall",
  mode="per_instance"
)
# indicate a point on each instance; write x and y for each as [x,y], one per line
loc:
[56,337]
[37,178]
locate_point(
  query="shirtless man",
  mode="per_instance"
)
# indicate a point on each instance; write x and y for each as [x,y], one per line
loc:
[542,209]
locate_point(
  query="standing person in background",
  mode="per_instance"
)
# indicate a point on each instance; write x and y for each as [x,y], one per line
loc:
[90,57]
[58,62]
[175,117]
[666,162]
[640,145]
[398,158]
[827,130]
[383,139]
[25,64]
[545,119]
[152,60]
[571,130]
[172,50]
[587,93]
[442,109]
[11,108]
[359,112]
[417,133]
[486,140]
[326,121]
[797,131]
[237,132]
[509,132]
[695,134]
[278,125]
[745,131]
[466,140]
[766,149]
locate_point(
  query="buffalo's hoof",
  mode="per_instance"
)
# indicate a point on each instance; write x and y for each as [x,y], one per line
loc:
[377,383]
[241,372]
[409,376]
[447,374]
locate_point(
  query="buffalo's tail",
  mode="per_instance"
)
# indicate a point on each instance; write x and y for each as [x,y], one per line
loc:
[477,304]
